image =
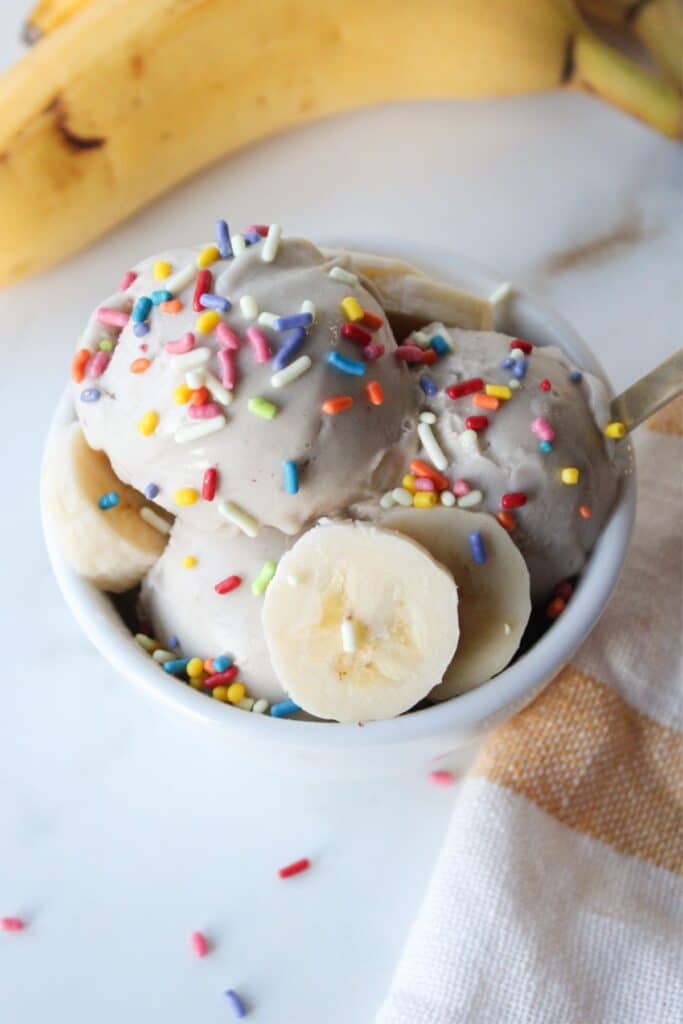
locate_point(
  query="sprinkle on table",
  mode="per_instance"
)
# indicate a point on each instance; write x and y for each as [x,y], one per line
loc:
[199,944]
[295,868]
[441,778]
[236,1003]
[12,924]
[227,585]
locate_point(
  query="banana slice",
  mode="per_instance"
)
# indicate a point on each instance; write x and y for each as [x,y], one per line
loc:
[360,622]
[494,595]
[112,547]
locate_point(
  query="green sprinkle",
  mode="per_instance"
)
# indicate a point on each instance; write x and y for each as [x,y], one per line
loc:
[263,578]
[105,345]
[263,408]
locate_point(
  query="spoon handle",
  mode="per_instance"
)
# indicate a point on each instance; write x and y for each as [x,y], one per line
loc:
[650,393]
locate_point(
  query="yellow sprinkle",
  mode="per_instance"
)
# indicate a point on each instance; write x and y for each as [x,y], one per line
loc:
[236,692]
[615,430]
[148,423]
[182,394]
[425,499]
[161,270]
[189,562]
[498,391]
[220,693]
[195,667]
[409,483]
[208,256]
[185,496]
[206,322]
[196,684]
[352,309]
[569,475]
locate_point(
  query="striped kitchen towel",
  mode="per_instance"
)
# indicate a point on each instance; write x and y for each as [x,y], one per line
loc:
[558,895]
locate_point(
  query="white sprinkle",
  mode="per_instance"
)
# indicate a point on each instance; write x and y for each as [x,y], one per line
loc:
[345,276]
[387,500]
[431,446]
[293,580]
[291,372]
[260,707]
[236,515]
[145,641]
[266,319]
[427,417]
[161,656]
[402,496]
[154,519]
[238,244]
[500,293]
[471,499]
[447,499]
[308,307]
[514,384]
[517,353]
[189,360]
[176,282]
[469,441]
[348,636]
[201,428]
[421,339]
[216,389]
[248,307]
[246,703]
[507,628]
[195,379]
[270,246]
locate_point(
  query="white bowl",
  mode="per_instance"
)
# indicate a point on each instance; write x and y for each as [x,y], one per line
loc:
[328,749]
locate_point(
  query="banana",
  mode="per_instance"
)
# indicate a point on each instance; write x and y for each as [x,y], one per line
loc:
[494,602]
[657,23]
[126,98]
[361,623]
[47,15]
[112,547]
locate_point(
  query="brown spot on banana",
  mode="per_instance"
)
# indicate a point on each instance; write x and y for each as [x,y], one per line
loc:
[71,138]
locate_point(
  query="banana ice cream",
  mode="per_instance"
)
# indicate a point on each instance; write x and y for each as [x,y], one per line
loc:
[369,485]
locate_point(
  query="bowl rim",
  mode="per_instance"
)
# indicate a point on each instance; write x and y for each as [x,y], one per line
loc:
[93,609]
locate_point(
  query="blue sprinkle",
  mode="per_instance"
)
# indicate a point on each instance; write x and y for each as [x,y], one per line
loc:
[291,472]
[508,363]
[429,386]
[223,240]
[108,500]
[477,547]
[236,1004]
[440,345]
[286,323]
[210,301]
[285,354]
[519,369]
[161,295]
[284,708]
[545,446]
[140,330]
[176,666]
[151,491]
[222,663]
[141,309]
[172,642]
[90,395]
[351,366]
[252,237]
[575,376]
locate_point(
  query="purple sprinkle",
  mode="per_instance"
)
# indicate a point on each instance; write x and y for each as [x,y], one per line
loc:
[252,237]
[210,301]
[429,386]
[173,642]
[236,1004]
[90,395]
[223,240]
[508,363]
[291,346]
[575,376]
[286,323]
[519,369]
[477,547]
[151,491]
[141,329]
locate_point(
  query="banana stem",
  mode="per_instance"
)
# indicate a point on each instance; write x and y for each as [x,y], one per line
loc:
[599,69]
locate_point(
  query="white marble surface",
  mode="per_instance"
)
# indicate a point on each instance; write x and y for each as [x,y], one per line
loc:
[119,830]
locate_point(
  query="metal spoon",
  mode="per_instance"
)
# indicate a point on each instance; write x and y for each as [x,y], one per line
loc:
[650,393]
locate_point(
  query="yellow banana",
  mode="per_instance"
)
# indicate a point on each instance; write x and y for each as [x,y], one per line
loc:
[127,98]
[657,23]
[48,15]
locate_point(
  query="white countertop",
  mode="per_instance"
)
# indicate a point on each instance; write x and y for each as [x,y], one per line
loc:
[120,831]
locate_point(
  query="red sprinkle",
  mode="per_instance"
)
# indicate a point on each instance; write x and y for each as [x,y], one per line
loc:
[295,869]
[409,353]
[218,678]
[507,520]
[355,333]
[12,924]
[477,422]
[441,778]
[373,351]
[209,481]
[465,387]
[585,511]
[260,229]
[513,499]
[545,384]
[200,947]
[429,356]
[556,607]
[371,320]
[203,284]
[228,584]
[563,590]
[525,346]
